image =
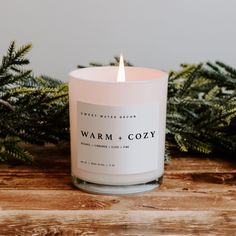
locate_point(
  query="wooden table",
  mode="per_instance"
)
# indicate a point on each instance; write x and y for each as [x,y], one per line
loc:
[197,197]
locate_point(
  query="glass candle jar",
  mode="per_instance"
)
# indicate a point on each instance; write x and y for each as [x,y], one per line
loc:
[117,129]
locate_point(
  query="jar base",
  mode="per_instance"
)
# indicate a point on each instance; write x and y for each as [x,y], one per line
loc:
[115,189]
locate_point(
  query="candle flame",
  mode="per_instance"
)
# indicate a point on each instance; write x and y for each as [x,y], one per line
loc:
[121,70]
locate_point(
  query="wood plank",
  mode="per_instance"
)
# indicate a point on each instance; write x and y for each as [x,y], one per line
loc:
[54,172]
[207,182]
[153,200]
[34,181]
[198,196]
[201,164]
[112,222]
[177,165]
[56,159]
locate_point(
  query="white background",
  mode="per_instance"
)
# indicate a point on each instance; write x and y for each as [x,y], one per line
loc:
[150,33]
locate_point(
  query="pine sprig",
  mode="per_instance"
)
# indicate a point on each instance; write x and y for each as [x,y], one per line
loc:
[10,150]
[203,99]
[32,109]
[201,114]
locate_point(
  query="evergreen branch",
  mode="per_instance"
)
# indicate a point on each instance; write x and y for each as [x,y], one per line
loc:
[10,150]
[227,68]
[21,52]
[205,103]
[201,112]
[189,81]
[32,109]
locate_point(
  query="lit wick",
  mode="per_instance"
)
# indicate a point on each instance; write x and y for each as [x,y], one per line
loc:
[121,70]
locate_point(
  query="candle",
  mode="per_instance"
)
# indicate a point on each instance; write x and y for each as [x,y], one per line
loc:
[117,122]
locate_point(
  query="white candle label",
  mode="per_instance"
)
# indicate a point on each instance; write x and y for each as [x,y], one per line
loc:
[117,139]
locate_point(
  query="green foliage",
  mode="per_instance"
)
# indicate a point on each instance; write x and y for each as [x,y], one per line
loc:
[32,109]
[112,63]
[201,114]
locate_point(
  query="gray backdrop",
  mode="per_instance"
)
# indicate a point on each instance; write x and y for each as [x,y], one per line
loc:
[152,33]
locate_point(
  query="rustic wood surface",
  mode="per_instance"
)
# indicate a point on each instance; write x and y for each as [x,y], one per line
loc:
[197,197]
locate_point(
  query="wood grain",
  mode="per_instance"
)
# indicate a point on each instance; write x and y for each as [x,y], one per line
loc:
[155,200]
[197,197]
[117,222]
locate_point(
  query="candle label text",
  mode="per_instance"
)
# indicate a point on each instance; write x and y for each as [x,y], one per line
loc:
[118,139]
